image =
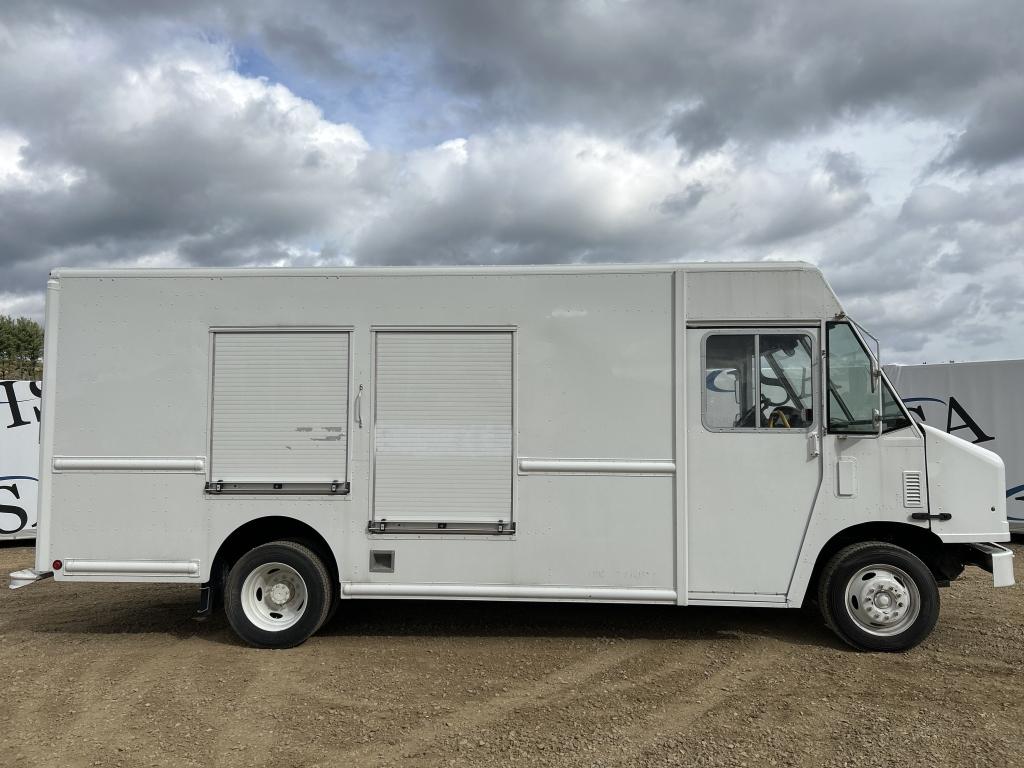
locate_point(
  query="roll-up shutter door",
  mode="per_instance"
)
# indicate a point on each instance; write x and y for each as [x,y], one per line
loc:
[280,407]
[443,426]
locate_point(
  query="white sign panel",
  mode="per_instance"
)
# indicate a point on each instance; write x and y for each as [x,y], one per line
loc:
[19,458]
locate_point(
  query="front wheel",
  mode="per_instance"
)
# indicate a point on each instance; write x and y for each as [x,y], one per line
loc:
[878,597]
[277,595]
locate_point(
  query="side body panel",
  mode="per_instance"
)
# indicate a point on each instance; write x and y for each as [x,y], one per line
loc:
[594,382]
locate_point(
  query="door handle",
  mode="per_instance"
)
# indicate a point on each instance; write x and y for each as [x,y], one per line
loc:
[359,407]
[813,444]
[928,516]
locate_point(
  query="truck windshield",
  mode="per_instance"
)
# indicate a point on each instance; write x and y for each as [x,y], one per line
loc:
[850,396]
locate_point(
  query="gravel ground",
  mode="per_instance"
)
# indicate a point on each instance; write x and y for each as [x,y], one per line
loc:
[122,675]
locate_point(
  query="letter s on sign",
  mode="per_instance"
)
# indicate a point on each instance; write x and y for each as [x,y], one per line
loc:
[12,510]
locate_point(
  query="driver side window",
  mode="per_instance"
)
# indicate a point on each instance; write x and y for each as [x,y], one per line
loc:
[758,381]
[729,381]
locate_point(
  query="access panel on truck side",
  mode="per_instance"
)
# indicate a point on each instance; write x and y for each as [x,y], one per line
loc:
[442,432]
[280,407]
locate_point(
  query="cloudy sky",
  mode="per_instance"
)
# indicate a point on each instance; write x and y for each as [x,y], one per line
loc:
[883,141]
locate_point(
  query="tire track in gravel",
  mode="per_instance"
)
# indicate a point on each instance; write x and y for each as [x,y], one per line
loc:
[103,696]
[91,715]
[563,682]
[578,697]
[679,714]
[987,666]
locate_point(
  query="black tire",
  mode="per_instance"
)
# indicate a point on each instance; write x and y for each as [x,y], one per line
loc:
[332,609]
[851,623]
[310,609]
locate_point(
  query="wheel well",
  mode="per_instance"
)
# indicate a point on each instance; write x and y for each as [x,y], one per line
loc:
[920,541]
[262,531]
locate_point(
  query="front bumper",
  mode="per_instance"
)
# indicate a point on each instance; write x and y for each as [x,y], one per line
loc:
[993,558]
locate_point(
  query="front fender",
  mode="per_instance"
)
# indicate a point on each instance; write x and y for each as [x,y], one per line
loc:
[967,483]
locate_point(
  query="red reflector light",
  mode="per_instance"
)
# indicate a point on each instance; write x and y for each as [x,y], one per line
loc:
[57,565]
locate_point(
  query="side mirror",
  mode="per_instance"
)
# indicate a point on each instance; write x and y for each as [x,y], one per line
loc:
[876,375]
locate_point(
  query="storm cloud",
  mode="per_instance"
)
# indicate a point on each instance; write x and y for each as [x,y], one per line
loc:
[879,140]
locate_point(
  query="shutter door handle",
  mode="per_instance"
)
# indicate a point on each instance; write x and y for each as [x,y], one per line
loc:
[359,407]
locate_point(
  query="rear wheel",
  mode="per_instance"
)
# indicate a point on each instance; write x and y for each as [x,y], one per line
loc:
[277,595]
[878,597]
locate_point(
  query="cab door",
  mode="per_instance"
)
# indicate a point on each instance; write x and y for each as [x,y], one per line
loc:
[874,455]
[754,458]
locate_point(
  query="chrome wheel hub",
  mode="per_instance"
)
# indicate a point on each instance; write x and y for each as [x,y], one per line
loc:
[274,596]
[280,593]
[882,599]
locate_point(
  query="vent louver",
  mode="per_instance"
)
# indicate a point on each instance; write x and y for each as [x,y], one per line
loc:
[912,489]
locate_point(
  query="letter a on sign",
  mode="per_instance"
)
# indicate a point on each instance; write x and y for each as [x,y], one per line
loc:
[968,422]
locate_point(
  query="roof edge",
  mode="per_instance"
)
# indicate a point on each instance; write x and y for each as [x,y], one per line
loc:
[361,271]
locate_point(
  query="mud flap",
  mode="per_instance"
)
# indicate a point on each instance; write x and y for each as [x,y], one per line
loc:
[210,592]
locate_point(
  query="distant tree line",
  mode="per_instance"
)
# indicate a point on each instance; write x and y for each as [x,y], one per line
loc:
[21,348]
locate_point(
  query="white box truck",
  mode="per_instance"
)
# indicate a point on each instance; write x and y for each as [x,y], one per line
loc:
[290,440]
[19,458]
[982,403]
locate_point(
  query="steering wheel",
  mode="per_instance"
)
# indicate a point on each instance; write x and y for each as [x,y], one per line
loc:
[785,417]
[767,402]
[749,417]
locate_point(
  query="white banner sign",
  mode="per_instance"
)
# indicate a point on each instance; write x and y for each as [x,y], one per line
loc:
[19,458]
